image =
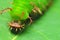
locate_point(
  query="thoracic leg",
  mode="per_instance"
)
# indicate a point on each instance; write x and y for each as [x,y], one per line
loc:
[37,9]
[30,20]
[4,10]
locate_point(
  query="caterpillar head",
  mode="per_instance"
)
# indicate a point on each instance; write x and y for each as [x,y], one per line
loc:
[16,27]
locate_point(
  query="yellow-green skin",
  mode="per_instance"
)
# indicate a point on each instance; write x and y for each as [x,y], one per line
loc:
[22,8]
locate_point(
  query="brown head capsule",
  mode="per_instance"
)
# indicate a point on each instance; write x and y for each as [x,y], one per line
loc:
[16,27]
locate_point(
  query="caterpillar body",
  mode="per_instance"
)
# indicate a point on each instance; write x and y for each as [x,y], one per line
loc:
[26,10]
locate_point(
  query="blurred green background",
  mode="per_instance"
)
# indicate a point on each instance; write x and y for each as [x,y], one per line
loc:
[46,28]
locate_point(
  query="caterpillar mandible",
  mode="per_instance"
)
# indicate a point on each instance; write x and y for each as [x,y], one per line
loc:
[26,10]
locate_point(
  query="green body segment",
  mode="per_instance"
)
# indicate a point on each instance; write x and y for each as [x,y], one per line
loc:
[22,8]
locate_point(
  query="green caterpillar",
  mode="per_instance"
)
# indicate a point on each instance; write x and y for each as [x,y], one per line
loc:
[22,8]
[26,9]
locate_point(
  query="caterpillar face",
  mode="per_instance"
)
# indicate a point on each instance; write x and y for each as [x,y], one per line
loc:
[16,27]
